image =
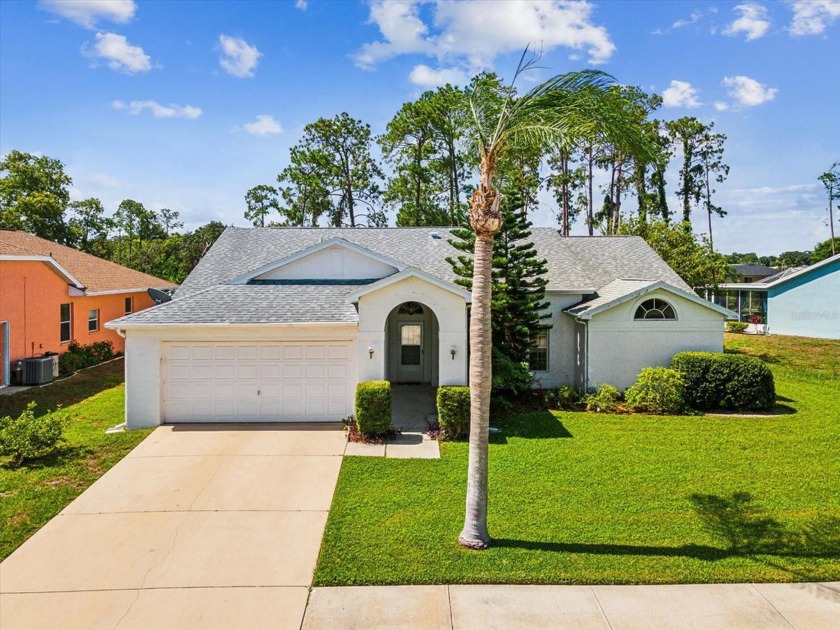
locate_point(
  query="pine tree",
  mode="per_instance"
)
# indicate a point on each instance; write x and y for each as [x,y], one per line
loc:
[519,282]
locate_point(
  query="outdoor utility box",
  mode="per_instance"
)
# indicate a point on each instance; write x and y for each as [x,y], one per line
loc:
[38,370]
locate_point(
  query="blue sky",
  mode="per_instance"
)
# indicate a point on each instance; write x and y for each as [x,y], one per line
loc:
[187,105]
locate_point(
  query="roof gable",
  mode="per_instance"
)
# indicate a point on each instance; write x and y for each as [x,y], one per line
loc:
[333,259]
[623,290]
[404,274]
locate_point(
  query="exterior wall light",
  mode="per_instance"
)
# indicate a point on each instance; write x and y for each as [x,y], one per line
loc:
[370,351]
[453,350]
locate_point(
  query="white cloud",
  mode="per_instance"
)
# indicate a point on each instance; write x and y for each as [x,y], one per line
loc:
[88,12]
[264,125]
[753,21]
[695,17]
[157,110]
[118,53]
[749,92]
[812,17]
[692,19]
[302,4]
[721,106]
[471,34]
[238,58]
[680,94]
[427,77]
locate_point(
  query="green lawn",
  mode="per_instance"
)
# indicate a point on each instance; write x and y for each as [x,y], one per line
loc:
[31,495]
[594,499]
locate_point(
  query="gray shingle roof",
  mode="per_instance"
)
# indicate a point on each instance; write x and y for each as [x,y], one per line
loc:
[608,258]
[752,269]
[254,304]
[583,264]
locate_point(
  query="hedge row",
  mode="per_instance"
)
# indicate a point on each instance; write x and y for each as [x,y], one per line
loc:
[725,381]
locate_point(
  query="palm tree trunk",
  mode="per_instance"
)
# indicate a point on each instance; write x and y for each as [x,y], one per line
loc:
[474,535]
[486,220]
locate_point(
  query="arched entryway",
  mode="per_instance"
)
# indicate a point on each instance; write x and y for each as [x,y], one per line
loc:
[412,342]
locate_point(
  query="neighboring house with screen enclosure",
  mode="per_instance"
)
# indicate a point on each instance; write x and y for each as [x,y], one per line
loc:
[280,324]
[802,301]
[52,295]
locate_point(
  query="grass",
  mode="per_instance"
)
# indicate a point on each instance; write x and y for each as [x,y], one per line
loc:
[599,499]
[32,494]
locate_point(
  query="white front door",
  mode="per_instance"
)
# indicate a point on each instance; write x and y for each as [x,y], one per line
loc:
[257,382]
[410,362]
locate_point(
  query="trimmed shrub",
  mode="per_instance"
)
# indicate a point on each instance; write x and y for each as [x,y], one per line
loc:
[604,399]
[657,390]
[27,437]
[736,327]
[725,381]
[453,405]
[565,398]
[373,407]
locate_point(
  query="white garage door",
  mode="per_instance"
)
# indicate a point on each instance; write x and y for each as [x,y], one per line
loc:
[257,382]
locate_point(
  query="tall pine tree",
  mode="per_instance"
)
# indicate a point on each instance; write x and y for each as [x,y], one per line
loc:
[518,302]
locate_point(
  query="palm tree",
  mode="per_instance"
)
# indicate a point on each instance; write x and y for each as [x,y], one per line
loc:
[572,105]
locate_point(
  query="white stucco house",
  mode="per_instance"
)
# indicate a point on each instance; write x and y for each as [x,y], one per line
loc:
[280,324]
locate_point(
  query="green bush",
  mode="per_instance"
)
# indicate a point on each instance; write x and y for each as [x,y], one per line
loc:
[565,398]
[78,357]
[373,407]
[27,437]
[725,381]
[510,379]
[736,327]
[453,405]
[657,390]
[604,399]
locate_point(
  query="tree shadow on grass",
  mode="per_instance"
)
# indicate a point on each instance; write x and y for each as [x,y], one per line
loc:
[745,529]
[699,552]
[748,530]
[537,425]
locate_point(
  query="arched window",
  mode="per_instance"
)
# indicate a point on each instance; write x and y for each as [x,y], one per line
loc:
[411,308]
[655,308]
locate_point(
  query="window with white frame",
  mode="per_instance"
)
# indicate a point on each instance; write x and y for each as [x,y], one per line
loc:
[655,308]
[66,325]
[129,305]
[538,352]
[93,320]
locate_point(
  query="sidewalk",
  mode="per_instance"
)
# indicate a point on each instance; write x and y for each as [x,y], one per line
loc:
[806,606]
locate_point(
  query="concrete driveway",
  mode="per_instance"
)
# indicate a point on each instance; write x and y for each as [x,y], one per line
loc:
[199,526]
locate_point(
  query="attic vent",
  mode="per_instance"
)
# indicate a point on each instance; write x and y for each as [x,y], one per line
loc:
[434,236]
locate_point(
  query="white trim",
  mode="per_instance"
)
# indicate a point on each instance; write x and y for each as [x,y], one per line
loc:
[51,261]
[633,295]
[408,272]
[277,264]
[118,291]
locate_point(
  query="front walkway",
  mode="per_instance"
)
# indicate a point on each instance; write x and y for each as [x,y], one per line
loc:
[199,526]
[696,606]
[413,408]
